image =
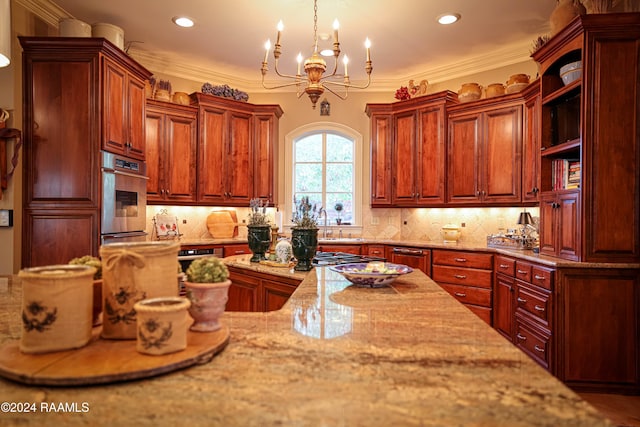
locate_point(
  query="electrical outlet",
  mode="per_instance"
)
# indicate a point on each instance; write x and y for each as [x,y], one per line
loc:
[464,224]
[184,221]
[375,220]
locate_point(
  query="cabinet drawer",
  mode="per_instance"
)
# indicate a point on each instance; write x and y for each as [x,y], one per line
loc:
[376,250]
[533,302]
[462,276]
[542,277]
[482,312]
[523,271]
[533,341]
[505,265]
[469,294]
[463,259]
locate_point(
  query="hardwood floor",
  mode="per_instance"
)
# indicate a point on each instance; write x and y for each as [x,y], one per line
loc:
[621,410]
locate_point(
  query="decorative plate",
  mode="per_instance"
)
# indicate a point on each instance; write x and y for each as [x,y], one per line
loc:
[372,274]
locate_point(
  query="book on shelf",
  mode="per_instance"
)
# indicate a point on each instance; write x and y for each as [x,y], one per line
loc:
[565,174]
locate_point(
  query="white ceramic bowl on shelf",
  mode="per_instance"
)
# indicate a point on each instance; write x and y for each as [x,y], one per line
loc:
[571,72]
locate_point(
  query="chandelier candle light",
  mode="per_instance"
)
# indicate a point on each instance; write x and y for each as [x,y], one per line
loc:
[315,66]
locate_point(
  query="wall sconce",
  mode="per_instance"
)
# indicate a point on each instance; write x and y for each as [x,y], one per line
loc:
[5,33]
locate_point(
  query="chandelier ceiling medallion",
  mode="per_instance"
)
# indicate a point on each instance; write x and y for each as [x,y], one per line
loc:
[315,81]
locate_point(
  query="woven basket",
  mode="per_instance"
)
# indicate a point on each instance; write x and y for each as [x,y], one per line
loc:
[132,272]
[56,307]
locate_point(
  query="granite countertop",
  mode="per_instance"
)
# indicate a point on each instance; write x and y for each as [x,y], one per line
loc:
[334,355]
[527,255]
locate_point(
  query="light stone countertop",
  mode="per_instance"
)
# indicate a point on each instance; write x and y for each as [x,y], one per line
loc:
[334,355]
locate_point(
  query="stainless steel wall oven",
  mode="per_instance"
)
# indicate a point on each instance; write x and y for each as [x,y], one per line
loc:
[124,199]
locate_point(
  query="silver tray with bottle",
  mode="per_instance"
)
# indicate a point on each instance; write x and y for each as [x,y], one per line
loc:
[514,241]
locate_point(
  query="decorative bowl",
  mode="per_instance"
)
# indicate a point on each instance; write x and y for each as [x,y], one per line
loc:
[372,274]
[571,72]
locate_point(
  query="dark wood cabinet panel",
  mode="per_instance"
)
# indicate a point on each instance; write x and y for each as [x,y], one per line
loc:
[236,148]
[419,258]
[236,249]
[531,143]
[59,235]
[592,122]
[171,152]
[503,312]
[381,146]
[408,151]
[350,249]
[599,333]
[255,291]
[484,154]
[80,95]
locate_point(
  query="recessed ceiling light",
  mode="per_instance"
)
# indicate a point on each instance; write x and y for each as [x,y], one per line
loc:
[182,21]
[448,18]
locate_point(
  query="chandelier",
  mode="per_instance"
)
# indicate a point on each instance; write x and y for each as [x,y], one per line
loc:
[315,66]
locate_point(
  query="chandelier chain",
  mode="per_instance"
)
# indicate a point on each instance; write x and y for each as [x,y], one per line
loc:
[315,24]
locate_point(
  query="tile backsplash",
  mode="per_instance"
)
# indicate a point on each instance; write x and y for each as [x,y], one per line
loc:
[389,224]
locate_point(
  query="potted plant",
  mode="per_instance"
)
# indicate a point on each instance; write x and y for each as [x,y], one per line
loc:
[207,287]
[304,233]
[258,230]
[92,261]
[338,207]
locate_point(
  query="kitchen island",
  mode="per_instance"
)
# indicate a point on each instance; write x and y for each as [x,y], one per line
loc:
[334,355]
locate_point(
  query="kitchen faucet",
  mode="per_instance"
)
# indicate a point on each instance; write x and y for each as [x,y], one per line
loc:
[324,211]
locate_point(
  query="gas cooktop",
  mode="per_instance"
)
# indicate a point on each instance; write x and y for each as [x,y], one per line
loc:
[335,258]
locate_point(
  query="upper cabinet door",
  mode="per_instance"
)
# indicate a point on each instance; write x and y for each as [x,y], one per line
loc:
[431,158]
[404,159]
[381,147]
[239,159]
[501,156]
[464,159]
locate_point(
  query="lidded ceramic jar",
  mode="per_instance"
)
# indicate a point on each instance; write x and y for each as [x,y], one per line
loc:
[450,233]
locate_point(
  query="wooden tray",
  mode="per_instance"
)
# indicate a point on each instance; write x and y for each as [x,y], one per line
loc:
[105,361]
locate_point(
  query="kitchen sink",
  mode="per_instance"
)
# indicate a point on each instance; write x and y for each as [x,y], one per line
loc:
[342,239]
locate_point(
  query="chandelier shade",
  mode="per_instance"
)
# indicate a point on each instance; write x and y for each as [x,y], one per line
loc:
[314,82]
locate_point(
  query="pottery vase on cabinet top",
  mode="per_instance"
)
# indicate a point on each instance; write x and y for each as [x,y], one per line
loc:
[564,12]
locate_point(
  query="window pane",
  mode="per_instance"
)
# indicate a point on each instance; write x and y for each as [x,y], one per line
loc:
[308,177]
[339,149]
[314,199]
[339,177]
[309,149]
[346,199]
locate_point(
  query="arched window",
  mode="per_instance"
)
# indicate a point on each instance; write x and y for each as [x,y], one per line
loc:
[325,164]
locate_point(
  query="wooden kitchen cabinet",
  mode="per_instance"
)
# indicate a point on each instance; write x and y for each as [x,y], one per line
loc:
[171,133]
[381,126]
[254,291]
[468,277]
[592,121]
[349,249]
[419,258]
[531,143]
[560,230]
[408,160]
[236,249]
[66,91]
[123,109]
[233,149]
[484,152]
[503,292]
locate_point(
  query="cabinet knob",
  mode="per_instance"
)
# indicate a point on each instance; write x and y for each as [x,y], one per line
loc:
[522,272]
[503,266]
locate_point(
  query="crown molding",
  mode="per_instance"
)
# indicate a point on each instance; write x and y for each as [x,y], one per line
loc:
[171,65]
[45,10]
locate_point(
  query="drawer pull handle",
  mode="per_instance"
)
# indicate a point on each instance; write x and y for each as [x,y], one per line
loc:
[504,266]
[521,337]
[459,276]
[522,272]
[537,348]
[522,300]
[538,308]
[407,251]
[460,259]
[535,276]
[460,294]
[239,252]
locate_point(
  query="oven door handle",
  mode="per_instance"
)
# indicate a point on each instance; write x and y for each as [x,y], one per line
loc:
[124,234]
[131,175]
[192,257]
